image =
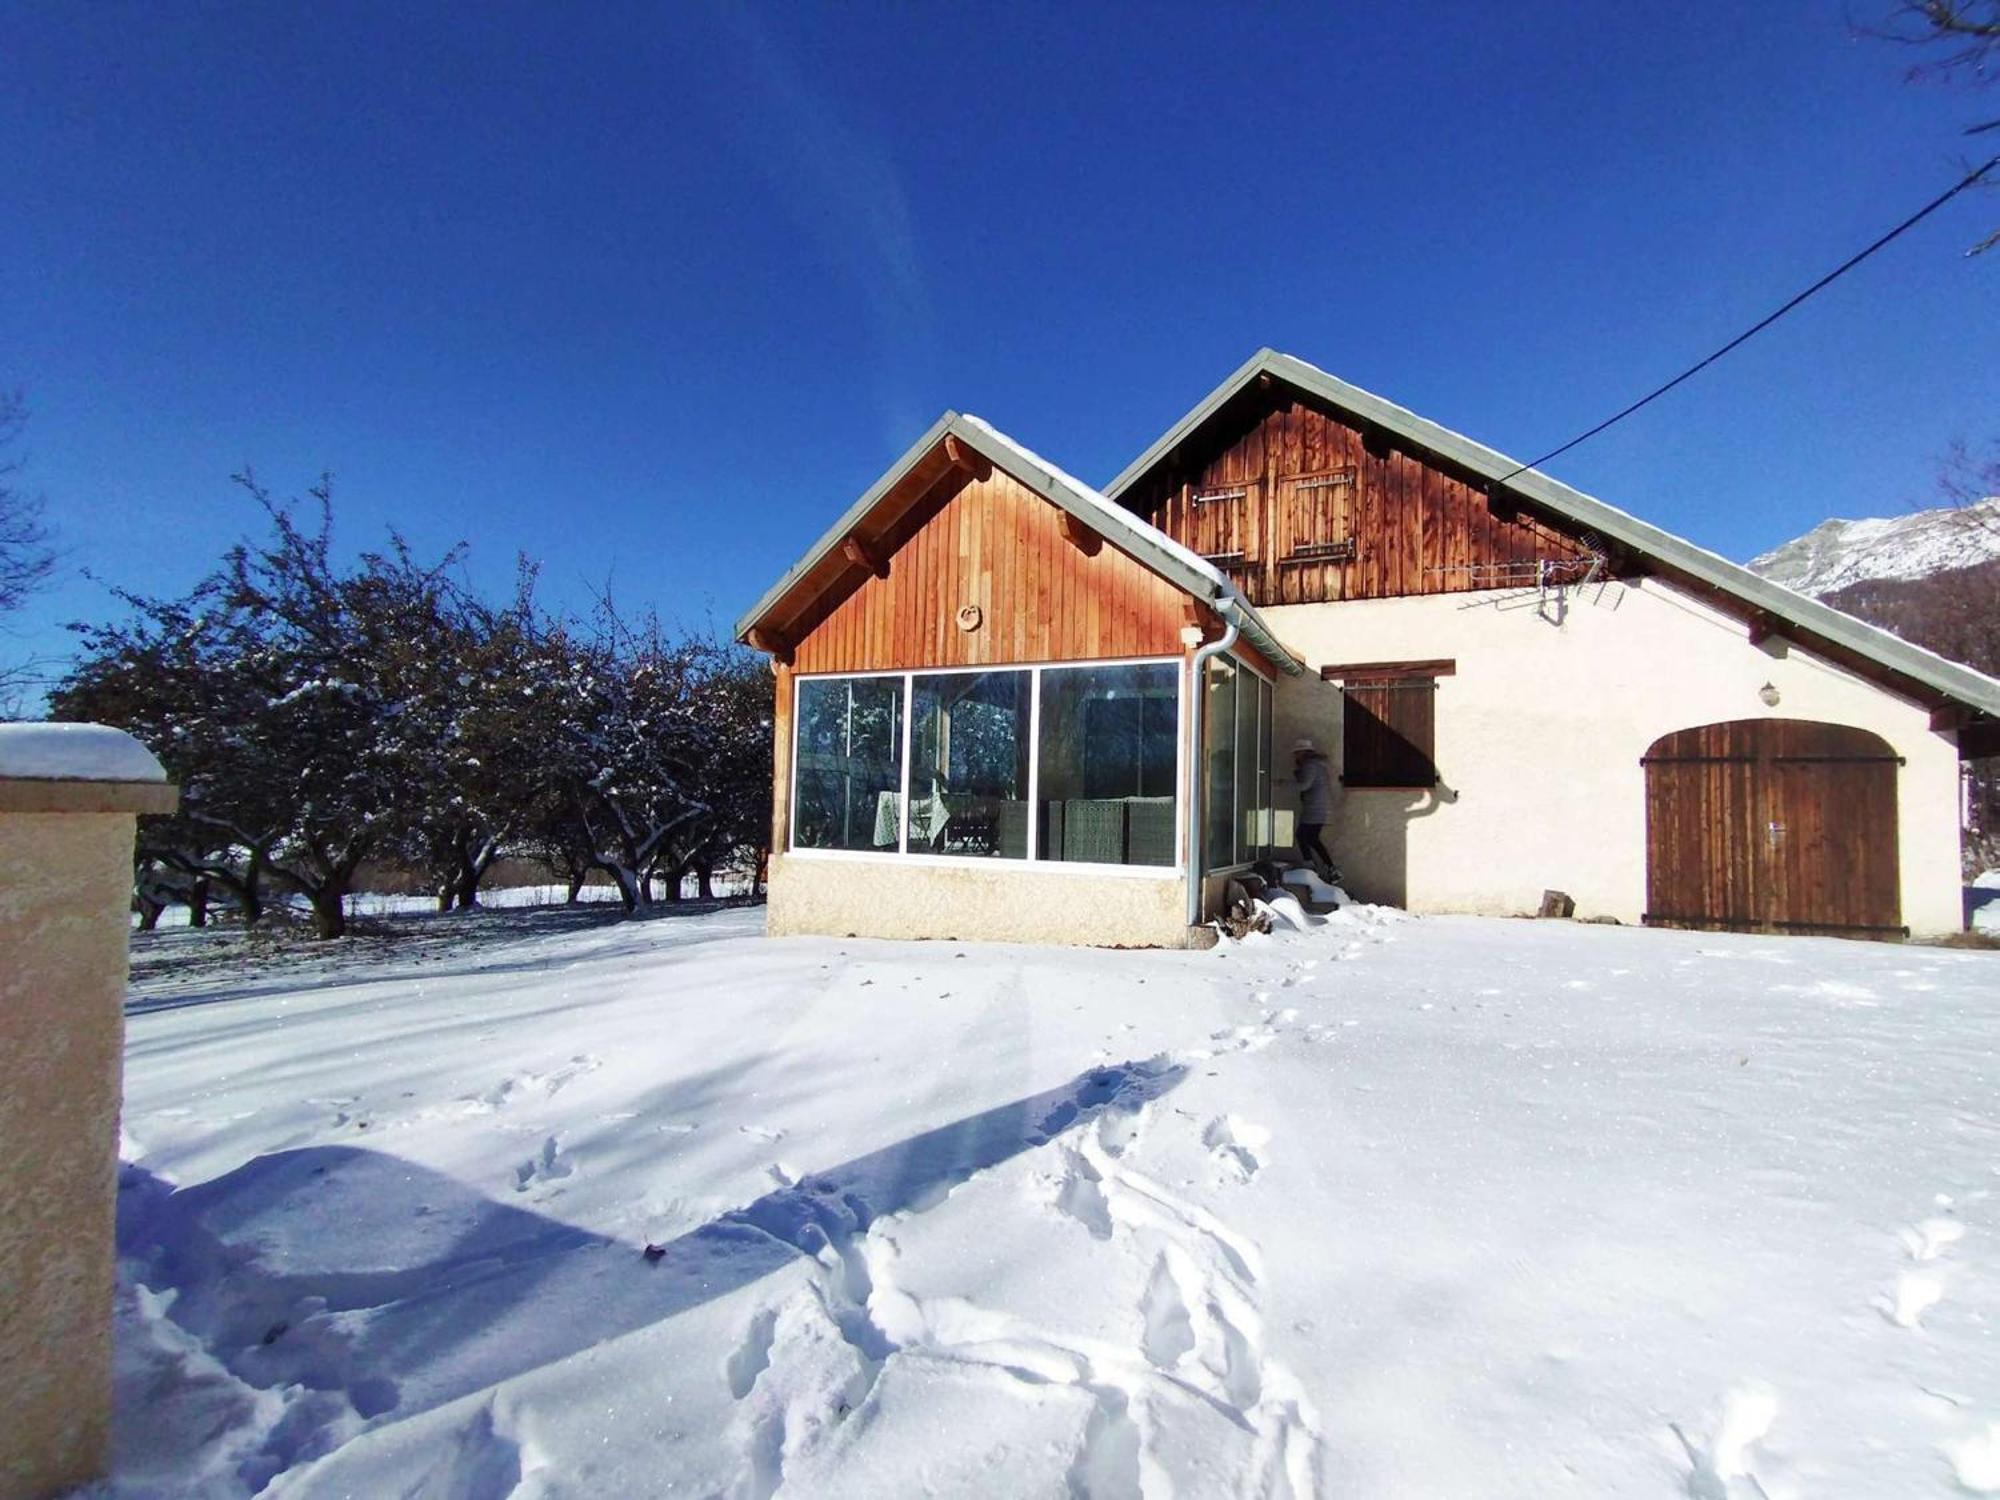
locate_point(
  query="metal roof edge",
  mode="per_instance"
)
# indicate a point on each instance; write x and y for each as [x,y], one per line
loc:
[1953,679]
[1200,413]
[1143,537]
[849,519]
[1147,544]
[1150,546]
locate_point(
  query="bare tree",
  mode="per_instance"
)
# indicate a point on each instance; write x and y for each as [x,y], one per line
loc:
[1960,43]
[1969,477]
[27,561]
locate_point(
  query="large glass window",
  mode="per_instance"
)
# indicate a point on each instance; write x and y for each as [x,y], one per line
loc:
[850,763]
[1109,738]
[969,739]
[1218,758]
[1098,785]
[1236,766]
[1247,685]
[1263,815]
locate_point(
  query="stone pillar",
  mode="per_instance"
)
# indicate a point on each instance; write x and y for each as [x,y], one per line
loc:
[69,799]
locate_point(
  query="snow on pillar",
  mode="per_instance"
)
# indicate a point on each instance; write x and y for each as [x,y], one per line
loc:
[70,795]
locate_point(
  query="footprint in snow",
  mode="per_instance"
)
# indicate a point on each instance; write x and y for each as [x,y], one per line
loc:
[1169,1327]
[1118,1131]
[547,1165]
[1975,1461]
[766,1133]
[482,1459]
[752,1356]
[1747,1414]
[1245,1038]
[1927,1240]
[517,1086]
[1080,1194]
[1237,1144]
[1917,1292]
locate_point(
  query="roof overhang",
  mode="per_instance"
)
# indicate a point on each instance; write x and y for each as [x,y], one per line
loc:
[1939,678]
[945,446]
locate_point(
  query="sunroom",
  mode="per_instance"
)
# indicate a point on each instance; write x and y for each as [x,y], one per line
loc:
[984,726]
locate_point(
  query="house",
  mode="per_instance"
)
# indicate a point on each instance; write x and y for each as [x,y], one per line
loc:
[1012,706]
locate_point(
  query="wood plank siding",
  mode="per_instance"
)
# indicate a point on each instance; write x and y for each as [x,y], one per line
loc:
[990,543]
[1773,825]
[1300,505]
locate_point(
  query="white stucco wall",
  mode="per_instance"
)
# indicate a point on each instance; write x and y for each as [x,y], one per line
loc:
[997,901]
[1540,732]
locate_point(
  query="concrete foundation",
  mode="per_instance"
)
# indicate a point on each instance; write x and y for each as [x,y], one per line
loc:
[909,897]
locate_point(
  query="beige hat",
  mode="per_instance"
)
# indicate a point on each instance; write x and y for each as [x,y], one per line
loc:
[1304,747]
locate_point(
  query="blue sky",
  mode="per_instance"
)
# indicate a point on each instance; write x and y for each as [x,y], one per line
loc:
[651,292]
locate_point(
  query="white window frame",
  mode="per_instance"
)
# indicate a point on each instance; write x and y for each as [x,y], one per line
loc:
[1243,665]
[1033,862]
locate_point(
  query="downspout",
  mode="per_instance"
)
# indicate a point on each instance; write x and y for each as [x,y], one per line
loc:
[1227,608]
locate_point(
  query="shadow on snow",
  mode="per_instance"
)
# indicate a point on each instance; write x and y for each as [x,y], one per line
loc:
[274,1263]
[452,941]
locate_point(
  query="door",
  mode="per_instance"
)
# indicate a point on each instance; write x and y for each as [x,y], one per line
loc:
[1773,825]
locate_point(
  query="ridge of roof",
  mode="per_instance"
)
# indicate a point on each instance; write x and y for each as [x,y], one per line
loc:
[1953,679]
[1133,533]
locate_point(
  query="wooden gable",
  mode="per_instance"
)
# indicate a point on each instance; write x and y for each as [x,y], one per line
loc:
[1044,588]
[1301,504]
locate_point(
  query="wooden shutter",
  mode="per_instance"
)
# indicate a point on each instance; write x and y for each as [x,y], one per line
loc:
[1225,524]
[1316,517]
[1389,733]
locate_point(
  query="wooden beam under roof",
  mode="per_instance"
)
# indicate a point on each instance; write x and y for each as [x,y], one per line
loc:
[1380,671]
[771,643]
[963,456]
[862,555]
[1077,532]
[1978,733]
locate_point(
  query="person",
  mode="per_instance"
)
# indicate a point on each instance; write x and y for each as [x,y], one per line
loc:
[1315,797]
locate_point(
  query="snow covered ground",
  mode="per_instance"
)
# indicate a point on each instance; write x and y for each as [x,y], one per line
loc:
[1391,1207]
[1983,902]
[492,897]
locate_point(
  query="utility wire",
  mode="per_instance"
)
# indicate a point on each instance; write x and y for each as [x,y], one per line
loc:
[1756,328]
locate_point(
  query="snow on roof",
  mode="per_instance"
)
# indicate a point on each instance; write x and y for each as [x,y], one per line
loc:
[1953,679]
[1134,534]
[74,752]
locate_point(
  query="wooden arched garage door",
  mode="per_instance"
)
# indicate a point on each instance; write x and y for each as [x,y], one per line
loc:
[1773,825]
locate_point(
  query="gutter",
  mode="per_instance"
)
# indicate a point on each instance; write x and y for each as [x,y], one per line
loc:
[1230,611]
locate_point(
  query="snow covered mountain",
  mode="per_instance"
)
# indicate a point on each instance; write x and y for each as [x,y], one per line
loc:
[1837,554]
[1933,578]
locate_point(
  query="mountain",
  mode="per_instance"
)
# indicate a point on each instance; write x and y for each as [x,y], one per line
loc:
[1836,555]
[1934,579]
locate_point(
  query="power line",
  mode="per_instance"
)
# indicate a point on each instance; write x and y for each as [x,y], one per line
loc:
[1756,328]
